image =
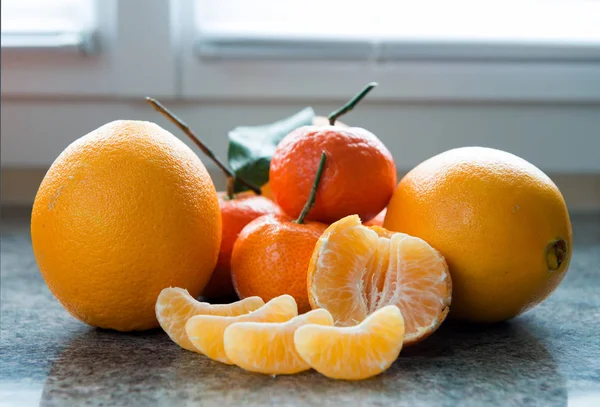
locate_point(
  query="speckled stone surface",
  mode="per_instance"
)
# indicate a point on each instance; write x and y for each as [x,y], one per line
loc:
[548,357]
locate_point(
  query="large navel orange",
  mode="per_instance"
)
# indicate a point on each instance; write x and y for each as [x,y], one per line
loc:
[500,222]
[124,212]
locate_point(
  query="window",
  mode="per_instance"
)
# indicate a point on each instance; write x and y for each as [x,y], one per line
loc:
[48,24]
[509,74]
[87,48]
[432,50]
[386,30]
[303,50]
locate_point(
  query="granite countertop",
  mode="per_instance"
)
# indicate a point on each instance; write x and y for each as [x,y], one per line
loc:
[548,356]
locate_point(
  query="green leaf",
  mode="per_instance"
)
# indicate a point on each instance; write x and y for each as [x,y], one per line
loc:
[251,148]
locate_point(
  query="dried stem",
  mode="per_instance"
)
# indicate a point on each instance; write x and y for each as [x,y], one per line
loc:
[190,133]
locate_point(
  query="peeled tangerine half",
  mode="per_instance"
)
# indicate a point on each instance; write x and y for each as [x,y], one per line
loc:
[355,352]
[175,306]
[356,270]
[268,347]
[206,332]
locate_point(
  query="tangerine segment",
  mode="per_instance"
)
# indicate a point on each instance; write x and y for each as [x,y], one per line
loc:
[356,270]
[175,306]
[353,353]
[268,347]
[206,332]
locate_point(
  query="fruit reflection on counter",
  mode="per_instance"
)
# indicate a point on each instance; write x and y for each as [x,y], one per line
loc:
[128,230]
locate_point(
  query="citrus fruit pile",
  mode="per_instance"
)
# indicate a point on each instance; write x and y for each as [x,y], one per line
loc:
[336,265]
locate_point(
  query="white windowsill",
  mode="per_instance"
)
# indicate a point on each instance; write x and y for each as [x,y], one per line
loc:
[80,42]
[215,46]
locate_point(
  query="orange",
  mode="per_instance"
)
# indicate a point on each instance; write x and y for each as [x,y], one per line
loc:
[499,221]
[271,256]
[377,220]
[353,353]
[122,213]
[266,191]
[175,306]
[236,213]
[360,179]
[317,121]
[205,332]
[361,174]
[272,253]
[356,270]
[268,347]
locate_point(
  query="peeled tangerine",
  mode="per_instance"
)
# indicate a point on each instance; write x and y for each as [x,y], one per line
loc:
[175,306]
[205,332]
[268,347]
[353,353]
[356,270]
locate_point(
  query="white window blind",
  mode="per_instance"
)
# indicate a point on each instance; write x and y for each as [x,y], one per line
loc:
[48,24]
[403,29]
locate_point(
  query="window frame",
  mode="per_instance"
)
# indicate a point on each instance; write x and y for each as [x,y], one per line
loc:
[150,47]
[122,65]
[573,76]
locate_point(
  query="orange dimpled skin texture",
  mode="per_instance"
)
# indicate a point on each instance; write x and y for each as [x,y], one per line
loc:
[124,212]
[500,222]
[360,177]
[271,257]
[236,213]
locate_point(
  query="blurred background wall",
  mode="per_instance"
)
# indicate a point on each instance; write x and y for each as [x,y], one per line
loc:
[216,70]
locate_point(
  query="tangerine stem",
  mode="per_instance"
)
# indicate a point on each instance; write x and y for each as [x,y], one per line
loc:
[229,191]
[351,103]
[159,107]
[313,192]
